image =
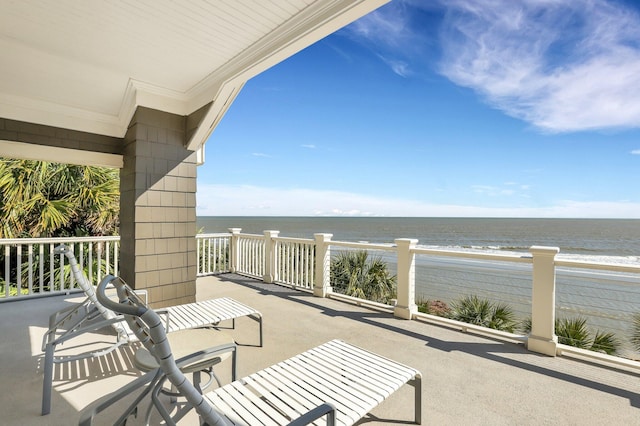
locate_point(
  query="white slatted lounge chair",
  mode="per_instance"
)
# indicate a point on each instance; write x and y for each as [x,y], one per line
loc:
[91,316]
[334,382]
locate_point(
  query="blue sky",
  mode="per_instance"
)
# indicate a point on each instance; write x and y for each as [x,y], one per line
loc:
[456,108]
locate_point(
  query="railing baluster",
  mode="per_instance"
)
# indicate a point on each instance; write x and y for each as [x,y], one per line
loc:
[72,278]
[210,254]
[19,268]
[254,257]
[41,268]
[116,257]
[255,254]
[90,262]
[214,263]
[276,255]
[305,258]
[99,254]
[107,257]
[262,264]
[82,257]
[51,269]
[7,270]
[30,266]
[245,252]
[61,271]
[210,259]
[296,264]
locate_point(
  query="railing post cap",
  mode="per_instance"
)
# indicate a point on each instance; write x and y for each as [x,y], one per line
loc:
[235,230]
[271,233]
[543,250]
[322,236]
[406,241]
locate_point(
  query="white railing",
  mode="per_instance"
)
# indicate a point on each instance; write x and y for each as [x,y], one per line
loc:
[214,253]
[528,279]
[294,262]
[29,267]
[538,283]
[248,255]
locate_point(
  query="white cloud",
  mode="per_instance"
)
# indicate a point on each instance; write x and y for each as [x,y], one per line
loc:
[398,66]
[244,200]
[510,189]
[560,65]
[635,152]
[309,146]
[260,154]
[387,28]
[389,35]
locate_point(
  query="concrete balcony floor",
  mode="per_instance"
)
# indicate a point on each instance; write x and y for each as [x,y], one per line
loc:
[467,378]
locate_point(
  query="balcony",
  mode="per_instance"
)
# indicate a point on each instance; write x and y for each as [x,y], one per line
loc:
[472,374]
[468,378]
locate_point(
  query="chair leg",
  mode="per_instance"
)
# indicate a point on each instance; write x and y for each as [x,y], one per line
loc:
[47,381]
[417,385]
[87,415]
[258,319]
[260,322]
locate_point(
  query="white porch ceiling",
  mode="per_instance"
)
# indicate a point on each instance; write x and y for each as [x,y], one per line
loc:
[87,64]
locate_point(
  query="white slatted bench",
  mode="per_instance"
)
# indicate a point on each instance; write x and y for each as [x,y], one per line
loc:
[352,379]
[212,311]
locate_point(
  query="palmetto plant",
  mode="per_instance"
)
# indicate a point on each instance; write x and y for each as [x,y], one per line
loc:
[474,310]
[574,332]
[356,274]
[635,332]
[42,199]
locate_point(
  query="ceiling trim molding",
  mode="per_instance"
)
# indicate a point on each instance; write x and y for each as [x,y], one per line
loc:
[218,109]
[56,115]
[315,22]
[26,151]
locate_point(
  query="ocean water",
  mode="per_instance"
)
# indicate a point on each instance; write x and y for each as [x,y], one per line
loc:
[607,300]
[576,237]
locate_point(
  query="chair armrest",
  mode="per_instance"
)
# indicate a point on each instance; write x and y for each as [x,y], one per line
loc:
[326,409]
[204,357]
[143,294]
[164,312]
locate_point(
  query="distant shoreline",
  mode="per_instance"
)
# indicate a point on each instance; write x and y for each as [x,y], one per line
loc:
[580,237]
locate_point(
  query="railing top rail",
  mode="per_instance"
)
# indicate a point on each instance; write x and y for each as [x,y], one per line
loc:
[520,258]
[598,265]
[251,236]
[11,241]
[294,240]
[214,235]
[369,246]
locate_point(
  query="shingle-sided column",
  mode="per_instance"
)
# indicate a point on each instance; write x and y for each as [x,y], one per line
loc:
[158,209]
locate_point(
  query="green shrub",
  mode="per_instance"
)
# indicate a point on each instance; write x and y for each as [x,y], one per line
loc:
[635,332]
[482,312]
[356,274]
[574,332]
